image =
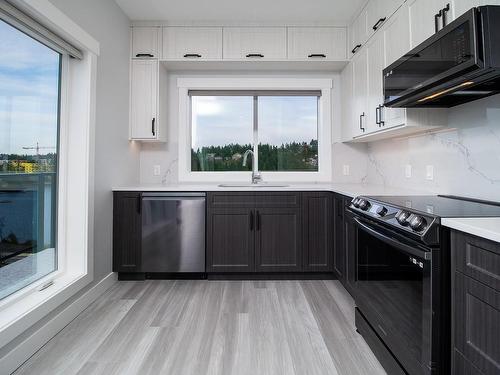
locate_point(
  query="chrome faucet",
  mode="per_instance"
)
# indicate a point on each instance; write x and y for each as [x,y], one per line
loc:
[256,177]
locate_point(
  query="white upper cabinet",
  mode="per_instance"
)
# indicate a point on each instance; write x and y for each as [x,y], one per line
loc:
[197,43]
[425,19]
[260,43]
[326,43]
[358,33]
[378,12]
[360,93]
[144,95]
[346,100]
[375,50]
[145,42]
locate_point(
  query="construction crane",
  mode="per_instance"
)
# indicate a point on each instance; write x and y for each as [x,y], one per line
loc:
[38,148]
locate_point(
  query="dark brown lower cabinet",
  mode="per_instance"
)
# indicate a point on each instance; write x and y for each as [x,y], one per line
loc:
[127,223]
[230,239]
[318,232]
[278,238]
[350,245]
[339,252]
[476,305]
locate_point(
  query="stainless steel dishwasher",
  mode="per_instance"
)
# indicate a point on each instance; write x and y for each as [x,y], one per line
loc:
[173,232]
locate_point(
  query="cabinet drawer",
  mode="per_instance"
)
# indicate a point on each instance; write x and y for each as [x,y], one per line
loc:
[278,199]
[307,43]
[260,43]
[477,324]
[477,258]
[220,200]
[195,43]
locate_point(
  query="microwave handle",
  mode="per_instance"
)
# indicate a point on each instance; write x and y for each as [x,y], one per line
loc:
[391,241]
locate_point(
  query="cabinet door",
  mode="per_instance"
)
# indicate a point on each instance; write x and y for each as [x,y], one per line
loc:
[144,99]
[347,100]
[339,258]
[198,43]
[254,43]
[278,240]
[476,326]
[358,33]
[306,43]
[376,63]
[360,92]
[146,42]
[230,239]
[317,231]
[378,12]
[396,35]
[423,20]
[127,225]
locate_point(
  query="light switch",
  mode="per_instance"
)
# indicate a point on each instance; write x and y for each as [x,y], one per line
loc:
[408,171]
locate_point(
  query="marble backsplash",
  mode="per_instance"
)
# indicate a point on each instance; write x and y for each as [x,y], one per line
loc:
[465,158]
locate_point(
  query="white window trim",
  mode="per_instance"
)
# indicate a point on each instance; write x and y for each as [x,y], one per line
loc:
[75,190]
[244,83]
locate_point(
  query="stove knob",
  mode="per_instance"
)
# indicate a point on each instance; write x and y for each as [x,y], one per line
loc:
[364,205]
[355,202]
[381,211]
[402,217]
[418,223]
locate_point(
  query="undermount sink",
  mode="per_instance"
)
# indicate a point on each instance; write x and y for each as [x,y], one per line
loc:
[250,185]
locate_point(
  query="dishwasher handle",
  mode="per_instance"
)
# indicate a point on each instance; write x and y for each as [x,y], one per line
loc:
[173,195]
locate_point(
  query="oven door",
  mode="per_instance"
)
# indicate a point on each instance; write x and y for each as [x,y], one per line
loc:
[392,290]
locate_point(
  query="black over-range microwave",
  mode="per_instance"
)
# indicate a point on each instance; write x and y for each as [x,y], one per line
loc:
[458,64]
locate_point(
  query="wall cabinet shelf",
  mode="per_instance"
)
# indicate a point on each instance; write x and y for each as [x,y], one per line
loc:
[145,42]
[307,43]
[193,43]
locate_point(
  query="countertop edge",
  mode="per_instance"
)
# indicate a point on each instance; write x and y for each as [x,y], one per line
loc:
[484,227]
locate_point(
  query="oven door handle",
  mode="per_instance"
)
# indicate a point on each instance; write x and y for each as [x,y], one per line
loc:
[391,241]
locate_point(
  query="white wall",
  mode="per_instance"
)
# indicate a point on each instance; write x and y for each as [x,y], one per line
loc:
[166,154]
[466,160]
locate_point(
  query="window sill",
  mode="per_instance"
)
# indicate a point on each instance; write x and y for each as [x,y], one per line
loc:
[23,309]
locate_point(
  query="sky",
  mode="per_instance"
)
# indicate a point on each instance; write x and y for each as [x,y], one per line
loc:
[222,120]
[29,80]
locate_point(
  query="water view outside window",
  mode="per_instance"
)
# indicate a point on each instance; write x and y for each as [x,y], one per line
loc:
[29,106]
[286,132]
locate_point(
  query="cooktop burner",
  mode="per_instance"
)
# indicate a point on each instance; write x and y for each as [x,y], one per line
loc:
[443,206]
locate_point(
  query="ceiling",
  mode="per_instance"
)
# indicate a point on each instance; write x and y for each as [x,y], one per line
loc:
[243,11]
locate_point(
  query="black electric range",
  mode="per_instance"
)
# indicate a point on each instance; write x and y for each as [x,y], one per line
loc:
[401,276]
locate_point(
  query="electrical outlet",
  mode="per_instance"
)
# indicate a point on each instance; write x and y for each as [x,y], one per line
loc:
[156,170]
[346,170]
[429,172]
[408,171]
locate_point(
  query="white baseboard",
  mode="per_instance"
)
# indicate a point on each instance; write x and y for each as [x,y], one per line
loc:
[18,355]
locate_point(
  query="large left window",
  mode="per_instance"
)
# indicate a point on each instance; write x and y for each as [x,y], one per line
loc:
[30,87]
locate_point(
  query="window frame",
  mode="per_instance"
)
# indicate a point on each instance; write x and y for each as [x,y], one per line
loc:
[324,85]
[75,215]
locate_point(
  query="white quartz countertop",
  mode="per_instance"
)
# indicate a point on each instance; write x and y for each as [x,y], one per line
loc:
[485,227]
[350,190]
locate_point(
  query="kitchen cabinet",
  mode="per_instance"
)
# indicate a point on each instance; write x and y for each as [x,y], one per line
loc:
[262,43]
[230,239]
[195,43]
[144,93]
[375,50]
[358,33]
[325,43]
[317,231]
[475,305]
[339,250]
[425,19]
[145,42]
[360,93]
[347,106]
[278,237]
[378,12]
[350,244]
[127,223]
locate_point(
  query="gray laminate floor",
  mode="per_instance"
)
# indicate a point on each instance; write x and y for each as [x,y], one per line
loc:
[211,327]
